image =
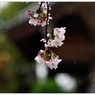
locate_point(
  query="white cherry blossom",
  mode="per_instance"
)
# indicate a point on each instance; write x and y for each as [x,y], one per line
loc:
[36,15]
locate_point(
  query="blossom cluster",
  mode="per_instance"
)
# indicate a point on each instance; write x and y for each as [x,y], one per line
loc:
[55,38]
[39,17]
[44,7]
[48,58]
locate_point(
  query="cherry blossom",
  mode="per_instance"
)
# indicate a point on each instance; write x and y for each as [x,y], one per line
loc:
[56,43]
[36,15]
[48,58]
[39,59]
[58,31]
[55,38]
[43,23]
[44,40]
[44,4]
[53,63]
[39,17]
[33,21]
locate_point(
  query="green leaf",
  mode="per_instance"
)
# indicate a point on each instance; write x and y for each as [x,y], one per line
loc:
[52,55]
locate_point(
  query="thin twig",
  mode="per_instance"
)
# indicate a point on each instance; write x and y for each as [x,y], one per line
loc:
[40,6]
[52,34]
[47,22]
[38,11]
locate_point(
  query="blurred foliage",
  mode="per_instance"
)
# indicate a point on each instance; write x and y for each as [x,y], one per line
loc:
[12,9]
[11,63]
[46,87]
[5,44]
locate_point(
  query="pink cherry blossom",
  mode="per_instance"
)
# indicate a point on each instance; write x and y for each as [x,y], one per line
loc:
[39,22]
[56,43]
[43,23]
[62,29]
[59,30]
[60,37]
[39,59]
[45,10]
[53,43]
[33,21]
[55,31]
[44,4]
[48,34]
[53,63]
[39,17]
[44,40]
[53,39]
[48,58]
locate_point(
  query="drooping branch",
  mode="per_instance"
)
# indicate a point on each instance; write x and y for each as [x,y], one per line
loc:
[40,6]
[52,34]
[54,38]
[47,22]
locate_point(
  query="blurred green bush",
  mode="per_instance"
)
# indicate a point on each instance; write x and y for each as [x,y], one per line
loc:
[12,9]
[10,58]
[46,87]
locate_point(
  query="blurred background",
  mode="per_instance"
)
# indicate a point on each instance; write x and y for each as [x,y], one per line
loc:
[20,43]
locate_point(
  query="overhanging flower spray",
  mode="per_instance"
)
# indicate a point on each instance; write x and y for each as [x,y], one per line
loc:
[52,39]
